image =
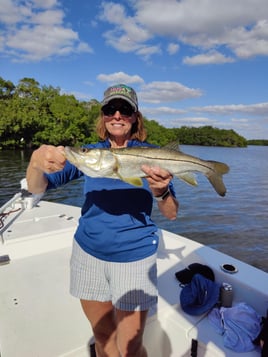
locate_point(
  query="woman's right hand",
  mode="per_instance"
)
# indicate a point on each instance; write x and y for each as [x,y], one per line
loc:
[48,159]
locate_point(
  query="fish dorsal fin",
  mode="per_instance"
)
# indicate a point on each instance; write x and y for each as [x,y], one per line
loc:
[173,145]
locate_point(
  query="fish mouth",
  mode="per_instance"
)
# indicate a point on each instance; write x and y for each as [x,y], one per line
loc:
[68,153]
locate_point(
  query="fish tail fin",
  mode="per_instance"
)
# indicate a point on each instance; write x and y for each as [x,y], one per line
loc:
[215,178]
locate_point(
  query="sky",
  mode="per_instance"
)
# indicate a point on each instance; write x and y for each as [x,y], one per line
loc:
[191,62]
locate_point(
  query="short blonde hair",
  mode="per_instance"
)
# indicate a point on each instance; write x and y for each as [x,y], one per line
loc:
[138,130]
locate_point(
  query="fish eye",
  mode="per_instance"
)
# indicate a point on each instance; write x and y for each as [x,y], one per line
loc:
[83,150]
[90,156]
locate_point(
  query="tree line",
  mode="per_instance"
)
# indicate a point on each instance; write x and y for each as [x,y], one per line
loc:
[31,115]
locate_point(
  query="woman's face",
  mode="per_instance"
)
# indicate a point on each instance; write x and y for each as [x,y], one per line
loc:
[118,116]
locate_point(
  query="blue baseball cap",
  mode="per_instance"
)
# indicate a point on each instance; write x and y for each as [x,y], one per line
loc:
[200,295]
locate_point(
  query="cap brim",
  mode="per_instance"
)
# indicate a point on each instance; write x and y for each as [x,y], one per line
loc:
[184,276]
[205,270]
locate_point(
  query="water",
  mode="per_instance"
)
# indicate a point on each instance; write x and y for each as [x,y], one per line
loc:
[236,224]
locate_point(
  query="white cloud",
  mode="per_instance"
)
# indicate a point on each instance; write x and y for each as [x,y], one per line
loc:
[147,51]
[212,57]
[11,12]
[127,35]
[247,43]
[115,14]
[162,111]
[121,42]
[260,109]
[120,77]
[45,4]
[161,92]
[35,31]
[48,17]
[2,42]
[173,48]
[240,27]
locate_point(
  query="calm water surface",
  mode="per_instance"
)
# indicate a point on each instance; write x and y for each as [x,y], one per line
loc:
[236,224]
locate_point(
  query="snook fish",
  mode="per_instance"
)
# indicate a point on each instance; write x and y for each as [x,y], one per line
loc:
[125,164]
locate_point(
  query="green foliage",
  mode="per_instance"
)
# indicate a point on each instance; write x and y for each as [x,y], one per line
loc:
[260,142]
[158,134]
[205,136]
[6,89]
[32,115]
[209,136]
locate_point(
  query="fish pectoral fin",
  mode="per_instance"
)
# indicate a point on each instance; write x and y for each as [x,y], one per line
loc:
[188,178]
[135,181]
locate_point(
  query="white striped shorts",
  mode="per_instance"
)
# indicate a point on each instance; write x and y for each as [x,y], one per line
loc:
[130,286]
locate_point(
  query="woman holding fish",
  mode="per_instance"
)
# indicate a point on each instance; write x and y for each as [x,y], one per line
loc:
[113,263]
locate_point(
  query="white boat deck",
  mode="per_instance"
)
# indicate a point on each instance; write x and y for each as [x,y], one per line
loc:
[38,316]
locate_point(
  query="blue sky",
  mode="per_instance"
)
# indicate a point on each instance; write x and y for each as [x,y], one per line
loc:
[192,62]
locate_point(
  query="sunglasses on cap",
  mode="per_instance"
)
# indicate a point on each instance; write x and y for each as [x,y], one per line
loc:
[125,110]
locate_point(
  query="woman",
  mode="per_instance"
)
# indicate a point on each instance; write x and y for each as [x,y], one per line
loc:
[113,263]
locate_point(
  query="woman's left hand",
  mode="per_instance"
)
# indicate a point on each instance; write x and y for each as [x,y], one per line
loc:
[157,178]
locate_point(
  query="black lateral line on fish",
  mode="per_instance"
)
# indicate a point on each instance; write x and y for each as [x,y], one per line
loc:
[174,160]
